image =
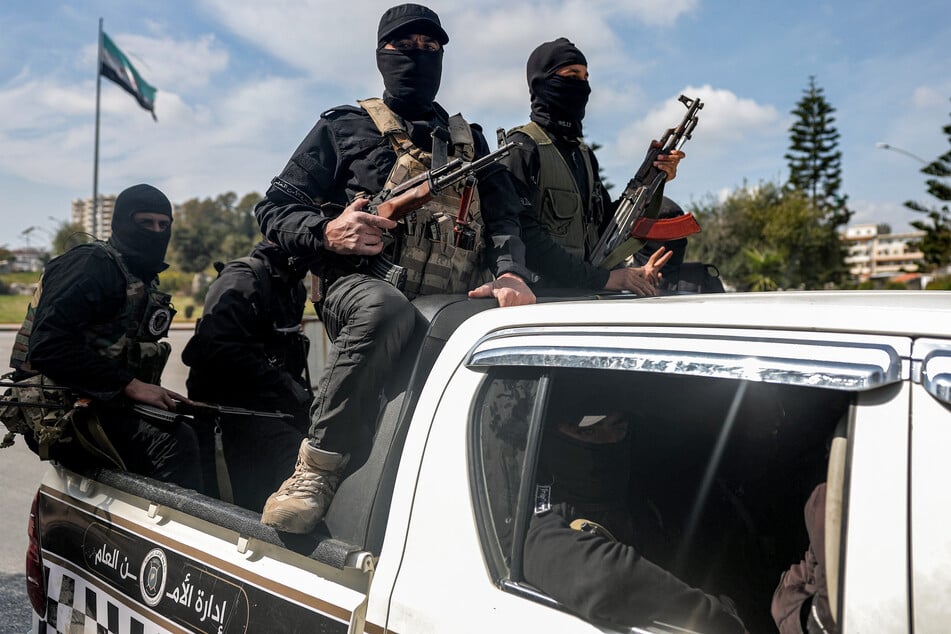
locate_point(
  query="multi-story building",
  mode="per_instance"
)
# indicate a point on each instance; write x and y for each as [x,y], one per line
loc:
[874,252]
[98,224]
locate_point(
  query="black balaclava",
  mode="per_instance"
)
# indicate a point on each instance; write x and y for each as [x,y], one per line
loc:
[593,477]
[142,249]
[585,472]
[558,103]
[410,78]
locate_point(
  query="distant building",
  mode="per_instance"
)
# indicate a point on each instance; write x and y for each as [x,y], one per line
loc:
[28,259]
[873,252]
[97,224]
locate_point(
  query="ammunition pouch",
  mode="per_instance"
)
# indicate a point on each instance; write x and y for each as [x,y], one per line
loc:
[37,408]
[147,360]
[433,260]
[54,422]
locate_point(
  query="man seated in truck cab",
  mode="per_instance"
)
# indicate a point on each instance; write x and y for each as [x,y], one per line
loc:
[581,546]
[801,601]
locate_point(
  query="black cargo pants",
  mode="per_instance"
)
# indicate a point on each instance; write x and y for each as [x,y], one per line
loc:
[369,323]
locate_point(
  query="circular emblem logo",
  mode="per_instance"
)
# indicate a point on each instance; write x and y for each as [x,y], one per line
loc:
[159,321]
[152,577]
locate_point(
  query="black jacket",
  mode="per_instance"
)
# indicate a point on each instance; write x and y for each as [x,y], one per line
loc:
[81,288]
[237,355]
[608,581]
[345,155]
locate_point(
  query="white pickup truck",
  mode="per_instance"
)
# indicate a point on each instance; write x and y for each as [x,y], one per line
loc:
[742,403]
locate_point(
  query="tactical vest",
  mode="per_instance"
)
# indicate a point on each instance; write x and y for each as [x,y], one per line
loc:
[426,240]
[559,206]
[131,339]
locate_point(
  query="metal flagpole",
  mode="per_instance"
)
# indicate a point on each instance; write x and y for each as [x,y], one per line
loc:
[95,161]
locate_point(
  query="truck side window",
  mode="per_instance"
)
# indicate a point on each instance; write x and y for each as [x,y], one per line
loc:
[502,415]
[719,469]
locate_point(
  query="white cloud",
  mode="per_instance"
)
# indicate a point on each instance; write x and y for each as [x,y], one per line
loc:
[725,120]
[929,97]
[493,35]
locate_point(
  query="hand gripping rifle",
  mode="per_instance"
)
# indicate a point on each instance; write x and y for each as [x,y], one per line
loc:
[410,195]
[633,221]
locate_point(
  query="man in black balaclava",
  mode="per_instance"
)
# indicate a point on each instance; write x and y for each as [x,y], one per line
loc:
[580,545]
[95,327]
[314,210]
[565,207]
[249,351]
[141,229]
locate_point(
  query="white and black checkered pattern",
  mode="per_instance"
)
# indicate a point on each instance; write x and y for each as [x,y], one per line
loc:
[74,606]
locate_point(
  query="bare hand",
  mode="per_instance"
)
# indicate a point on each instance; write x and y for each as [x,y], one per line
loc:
[154,395]
[655,263]
[667,163]
[509,289]
[355,232]
[642,280]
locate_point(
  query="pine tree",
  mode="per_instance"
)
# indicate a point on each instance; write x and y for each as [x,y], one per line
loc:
[936,244]
[815,163]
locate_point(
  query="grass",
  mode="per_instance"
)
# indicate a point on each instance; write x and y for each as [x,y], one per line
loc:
[13,308]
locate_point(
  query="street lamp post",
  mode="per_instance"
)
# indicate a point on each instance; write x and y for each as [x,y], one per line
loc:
[888,146]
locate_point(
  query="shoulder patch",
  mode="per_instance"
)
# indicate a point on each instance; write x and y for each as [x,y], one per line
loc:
[542,498]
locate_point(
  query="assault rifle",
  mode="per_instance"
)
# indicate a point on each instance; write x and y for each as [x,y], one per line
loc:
[199,410]
[410,195]
[633,221]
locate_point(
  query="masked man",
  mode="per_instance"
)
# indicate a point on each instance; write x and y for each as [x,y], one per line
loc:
[314,211]
[564,204]
[581,543]
[248,351]
[94,327]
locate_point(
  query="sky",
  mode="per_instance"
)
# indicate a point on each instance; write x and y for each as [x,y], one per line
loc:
[241,82]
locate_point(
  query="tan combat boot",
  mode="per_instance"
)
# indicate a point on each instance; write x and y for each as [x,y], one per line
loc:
[303,499]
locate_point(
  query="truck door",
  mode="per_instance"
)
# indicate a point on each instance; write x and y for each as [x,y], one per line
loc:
[730,433]
[930,494]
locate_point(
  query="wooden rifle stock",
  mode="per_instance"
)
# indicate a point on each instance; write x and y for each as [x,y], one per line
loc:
[405,202]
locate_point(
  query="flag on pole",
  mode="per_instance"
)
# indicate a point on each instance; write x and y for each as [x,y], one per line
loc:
[114,65]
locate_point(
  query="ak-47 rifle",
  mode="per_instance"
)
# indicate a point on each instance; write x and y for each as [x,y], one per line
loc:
[410,195]
[633,221]
[200,411]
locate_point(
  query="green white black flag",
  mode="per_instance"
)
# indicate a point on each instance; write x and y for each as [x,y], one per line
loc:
[114,65]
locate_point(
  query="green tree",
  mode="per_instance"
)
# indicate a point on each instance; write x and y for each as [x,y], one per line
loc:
[936,243]
[213,229]
[765,267]
[768,236]
[815,163]
[67,236]
[608,185]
